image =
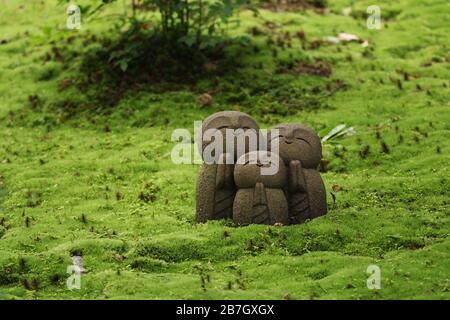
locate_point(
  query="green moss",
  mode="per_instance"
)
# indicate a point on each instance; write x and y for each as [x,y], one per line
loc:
[63,157]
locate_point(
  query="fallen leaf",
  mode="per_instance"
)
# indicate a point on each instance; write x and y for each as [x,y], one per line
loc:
[347,37]
[346,11]
[334,40]
[210,66]
[336,188]
[278,224]
[205,99]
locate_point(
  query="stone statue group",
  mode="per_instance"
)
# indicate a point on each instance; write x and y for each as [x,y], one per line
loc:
[238,190]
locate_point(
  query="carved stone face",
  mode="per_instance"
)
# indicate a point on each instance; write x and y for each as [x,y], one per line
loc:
[233,120]
[299,142]
[248,170]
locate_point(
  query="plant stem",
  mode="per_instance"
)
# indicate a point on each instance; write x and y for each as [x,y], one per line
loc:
[187,16]
[200,20]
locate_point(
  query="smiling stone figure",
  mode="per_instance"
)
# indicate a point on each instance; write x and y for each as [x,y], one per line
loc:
[239,179]
[300,148]
[260,198]
[215,183]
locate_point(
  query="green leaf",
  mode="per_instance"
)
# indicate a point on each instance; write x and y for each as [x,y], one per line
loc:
[123,65]
[188,40]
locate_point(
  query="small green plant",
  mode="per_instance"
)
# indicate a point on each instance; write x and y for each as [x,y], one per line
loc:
[151,44]
[193,22]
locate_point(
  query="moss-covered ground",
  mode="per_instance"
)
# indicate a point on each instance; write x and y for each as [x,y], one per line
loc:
[101,184]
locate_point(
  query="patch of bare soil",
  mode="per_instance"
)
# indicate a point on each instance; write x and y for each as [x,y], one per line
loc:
[316,68]
[295,5]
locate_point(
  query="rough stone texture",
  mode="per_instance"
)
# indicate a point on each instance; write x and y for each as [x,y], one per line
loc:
[215,192]
[292,195]
[215,183]
[306,193]
[301,149]
[317,194]
[227,120]
[260,198]
[299,142]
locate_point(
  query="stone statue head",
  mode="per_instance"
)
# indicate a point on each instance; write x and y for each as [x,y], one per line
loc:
[298,142]
[245,129]
[249,170]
